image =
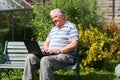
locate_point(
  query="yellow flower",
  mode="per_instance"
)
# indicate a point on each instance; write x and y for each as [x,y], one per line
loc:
[93,47]
[92,36]
[95,59]
[81,34]
[113,61]
[99,57]
[81,67]
[86,34]
[89,60]
[96,31]
[85,62]
[102,43]
[80,27]
[104,54]
[91,27]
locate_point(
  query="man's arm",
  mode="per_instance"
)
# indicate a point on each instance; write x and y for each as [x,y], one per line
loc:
[46,44]
[46,48]
[73,45]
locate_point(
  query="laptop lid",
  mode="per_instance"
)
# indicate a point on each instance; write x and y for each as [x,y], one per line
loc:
[33,47]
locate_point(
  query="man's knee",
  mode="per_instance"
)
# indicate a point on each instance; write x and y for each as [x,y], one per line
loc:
[32,59]
[29,56]
[45,60]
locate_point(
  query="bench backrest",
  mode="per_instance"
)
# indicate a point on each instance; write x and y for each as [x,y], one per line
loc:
[16,52]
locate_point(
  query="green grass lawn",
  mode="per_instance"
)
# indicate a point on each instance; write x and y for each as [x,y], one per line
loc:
[98,75]
[66,75]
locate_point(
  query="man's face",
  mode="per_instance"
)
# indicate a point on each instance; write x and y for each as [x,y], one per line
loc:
[57,19]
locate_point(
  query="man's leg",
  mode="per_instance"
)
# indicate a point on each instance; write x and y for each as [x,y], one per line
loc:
[31,65]
[49,63]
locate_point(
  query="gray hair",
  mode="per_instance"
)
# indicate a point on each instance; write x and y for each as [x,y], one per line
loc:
[56,10]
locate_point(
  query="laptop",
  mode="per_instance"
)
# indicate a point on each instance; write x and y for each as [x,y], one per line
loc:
[33,47]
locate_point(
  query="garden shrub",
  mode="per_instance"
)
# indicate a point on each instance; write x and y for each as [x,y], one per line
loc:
[77,11]
[42,23]
[80,11]
[99,50]
[92,43]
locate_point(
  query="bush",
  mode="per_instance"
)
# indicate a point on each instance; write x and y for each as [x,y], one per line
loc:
[99,50]
[81,11]
[78,11]
[41,24]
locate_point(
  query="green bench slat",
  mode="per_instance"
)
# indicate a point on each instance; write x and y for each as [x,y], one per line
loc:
[18,55]
[17,65]
[17,51]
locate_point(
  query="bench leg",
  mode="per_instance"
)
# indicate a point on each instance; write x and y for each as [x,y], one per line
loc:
[77,74]
[1,71]
[0,74]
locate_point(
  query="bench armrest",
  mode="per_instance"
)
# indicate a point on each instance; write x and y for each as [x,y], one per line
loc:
[3,56]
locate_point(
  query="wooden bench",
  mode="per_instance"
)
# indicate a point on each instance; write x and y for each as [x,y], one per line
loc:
[15,53]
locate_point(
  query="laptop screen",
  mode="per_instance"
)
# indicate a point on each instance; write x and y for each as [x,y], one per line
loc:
[33,47]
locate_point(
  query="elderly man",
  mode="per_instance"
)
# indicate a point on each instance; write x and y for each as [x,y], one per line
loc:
[60,44]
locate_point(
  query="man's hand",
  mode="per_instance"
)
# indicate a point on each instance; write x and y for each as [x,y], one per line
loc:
[50,51]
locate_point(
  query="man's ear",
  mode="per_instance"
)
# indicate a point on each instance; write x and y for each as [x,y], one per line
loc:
[63,16]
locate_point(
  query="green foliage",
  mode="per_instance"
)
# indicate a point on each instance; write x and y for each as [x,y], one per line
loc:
[78,11]
[42,22]
[15,25]
[99,50]
[66,75]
